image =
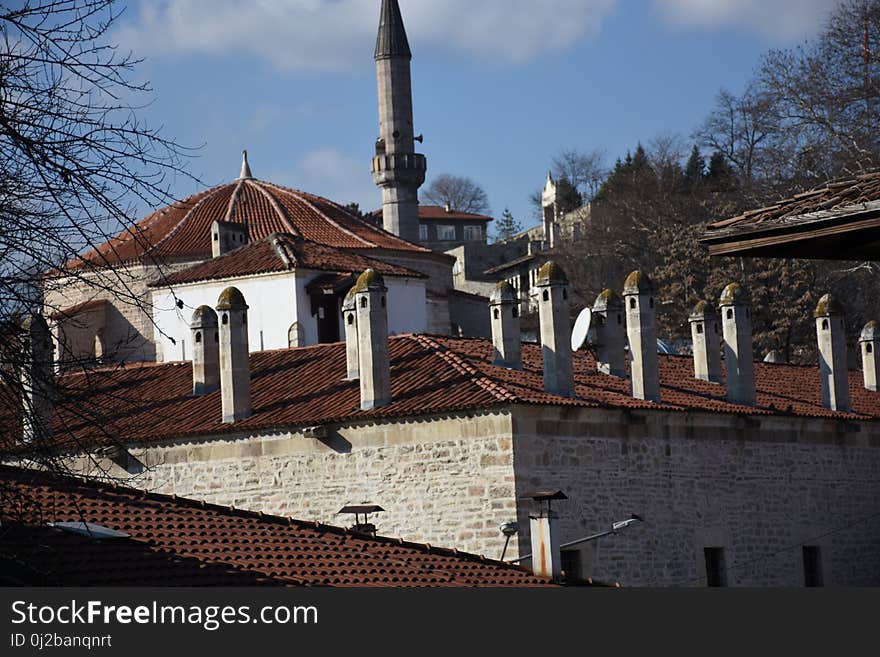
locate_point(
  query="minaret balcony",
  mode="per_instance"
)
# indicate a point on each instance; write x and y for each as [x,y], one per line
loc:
[399,168]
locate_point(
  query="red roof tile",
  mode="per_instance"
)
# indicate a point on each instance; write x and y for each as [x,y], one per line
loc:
[175,542]
[283,252]
[182,231]
[146,403]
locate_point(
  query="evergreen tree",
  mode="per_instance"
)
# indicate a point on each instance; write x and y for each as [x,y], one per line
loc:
[506,227]
[694,170]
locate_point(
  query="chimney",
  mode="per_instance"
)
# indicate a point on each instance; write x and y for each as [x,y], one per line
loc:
[226,236]
[506,339]
[638,297]
[544,531]
[235,375]
[549,204]
[736,323]
[870,343]
[349,319]
[37,379]
[374,367]
[551,286]
[775,356]
[706,336]
[206,351]
[610,333]
[448,208]
[831,334]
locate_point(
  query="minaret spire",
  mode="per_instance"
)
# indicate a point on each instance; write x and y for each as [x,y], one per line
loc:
[245,167]
[397,169]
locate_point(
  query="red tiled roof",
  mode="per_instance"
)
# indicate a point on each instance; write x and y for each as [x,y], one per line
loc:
[182,231]
[179,542]
[283,252]
[147,403]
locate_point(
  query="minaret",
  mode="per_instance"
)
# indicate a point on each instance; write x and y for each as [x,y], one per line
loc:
[397,169]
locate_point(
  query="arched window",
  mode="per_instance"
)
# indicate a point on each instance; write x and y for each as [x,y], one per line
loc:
[295,336]
[198,337]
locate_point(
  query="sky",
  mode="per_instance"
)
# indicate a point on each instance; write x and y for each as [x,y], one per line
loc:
[499,86]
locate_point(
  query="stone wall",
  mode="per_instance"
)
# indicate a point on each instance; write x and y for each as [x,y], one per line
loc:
[447,481]
[758,488]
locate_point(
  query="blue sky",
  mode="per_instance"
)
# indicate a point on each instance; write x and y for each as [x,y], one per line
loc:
[500,86]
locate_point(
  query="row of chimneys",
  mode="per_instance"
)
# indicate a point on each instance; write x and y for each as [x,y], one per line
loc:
[630,320]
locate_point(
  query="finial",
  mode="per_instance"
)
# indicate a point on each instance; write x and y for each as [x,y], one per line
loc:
[245,167]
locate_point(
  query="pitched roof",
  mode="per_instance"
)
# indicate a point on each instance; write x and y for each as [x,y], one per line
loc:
[180,542]
[391,40]
[439,212]
[808,225]
[146,403]
[281,252]
[181,231]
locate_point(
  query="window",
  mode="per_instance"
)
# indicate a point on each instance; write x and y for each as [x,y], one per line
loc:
[445,233]
[716,569]
[473,233]
[813,566]
[423,232]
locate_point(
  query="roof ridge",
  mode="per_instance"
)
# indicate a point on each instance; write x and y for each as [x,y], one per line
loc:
[280,211]
[186,217]
[491,386]
[233,199]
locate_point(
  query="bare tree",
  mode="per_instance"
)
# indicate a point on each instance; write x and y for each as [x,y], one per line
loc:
[78,162]
[586,170]
[461,194]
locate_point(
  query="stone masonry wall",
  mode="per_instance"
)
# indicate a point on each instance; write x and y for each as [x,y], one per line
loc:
[446,481]
[759,489]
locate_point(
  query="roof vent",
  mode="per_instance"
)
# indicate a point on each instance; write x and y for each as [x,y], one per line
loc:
[91,530]
[448,208]
[362,527]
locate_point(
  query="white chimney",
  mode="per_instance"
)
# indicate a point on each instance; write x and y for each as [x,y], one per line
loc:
[235,375]
[504,316]
[610,333]
[869,341]
[205,335]
[549,207]
[551,287]
[706,337]
[831,334]
[37,379]
[374,367]
[349,319]
[227,236]
[638,297]
[544,531]
[736,324]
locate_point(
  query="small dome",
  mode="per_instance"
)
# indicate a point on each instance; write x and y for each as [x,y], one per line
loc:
[775,356]
[733,295]
[348,302]
[702,310]
[828,306]
[203,316]
[871,331]
[231,299]
[370,278]
[638,283]
[608,299]
[551,273]
[503,293]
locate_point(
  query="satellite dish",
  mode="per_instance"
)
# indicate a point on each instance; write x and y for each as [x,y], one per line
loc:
[581,329]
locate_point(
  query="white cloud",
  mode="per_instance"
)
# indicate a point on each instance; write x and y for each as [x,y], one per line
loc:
[332,174]
[336,34]
[778,20]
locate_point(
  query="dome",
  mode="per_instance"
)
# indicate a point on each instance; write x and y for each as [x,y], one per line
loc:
[828,306]
[551,273]
[203,316]
[231,299]
[702,310]
[608,300]
[182,230]
[348,302]
[871,332]
[733,295]
[638,282]
[502,293]
[370,278]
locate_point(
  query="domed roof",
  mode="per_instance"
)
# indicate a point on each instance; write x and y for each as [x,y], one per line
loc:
[370,278]
[231,298]
[503,292]
[181,231]
[348,303]
[550,273]
[733,295]
[828,306]
[702,310]
[871,331]
[203,316]
[608,299]
[638,282]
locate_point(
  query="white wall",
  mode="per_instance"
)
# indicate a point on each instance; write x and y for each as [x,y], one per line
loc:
[274,302]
